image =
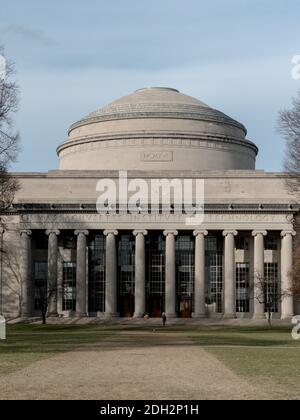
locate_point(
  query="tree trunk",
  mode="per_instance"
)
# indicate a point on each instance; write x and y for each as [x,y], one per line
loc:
[44,316]
[270,319]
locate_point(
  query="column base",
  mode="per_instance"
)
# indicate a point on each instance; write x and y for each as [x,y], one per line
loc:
[199,316]
[52,315]
[81,315]
[109,315]
[173,315]
[26,316]
[287,317]
[229,316]
[138,315]
[259,316]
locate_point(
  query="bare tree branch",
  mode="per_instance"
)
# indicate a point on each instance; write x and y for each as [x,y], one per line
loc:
[268,294]
[295,273]
[289,127]
[9,138]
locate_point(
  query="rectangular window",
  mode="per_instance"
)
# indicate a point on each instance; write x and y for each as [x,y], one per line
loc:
[242,243]
[271,287]
[41,241]
[185,273]
[69,286]
[242,288]
[97,273]
[271,243]
[211,243]
[126,267]
[155,274]
[40,283]
[69,242]
[214,282]
[157,283]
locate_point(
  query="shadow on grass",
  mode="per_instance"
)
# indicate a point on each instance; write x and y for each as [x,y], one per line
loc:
[49,339]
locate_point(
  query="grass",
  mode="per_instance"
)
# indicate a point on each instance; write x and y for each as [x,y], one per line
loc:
[27,344]
[267,358]
[264,357]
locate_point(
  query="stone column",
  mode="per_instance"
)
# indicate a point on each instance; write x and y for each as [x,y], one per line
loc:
[170,294]
[259,273]
[287,304]
[81,309]
[199,292]
[229,274]
[52,287]
[25,272]
[111,274]
[140,274]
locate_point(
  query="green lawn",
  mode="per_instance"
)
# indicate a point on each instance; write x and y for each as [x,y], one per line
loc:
[266,357]
[27,344]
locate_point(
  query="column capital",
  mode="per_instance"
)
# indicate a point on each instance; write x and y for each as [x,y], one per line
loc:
[27,232]
[230,232]
[78,232]
[170,232]
[284,233]
[200,232]
[142,232]
[110,232]
[50,231]
[259,232]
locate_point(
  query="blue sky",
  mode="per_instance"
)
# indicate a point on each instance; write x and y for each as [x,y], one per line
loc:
[73,57]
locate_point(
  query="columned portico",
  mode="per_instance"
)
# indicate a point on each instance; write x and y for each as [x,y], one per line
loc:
[199,293]
[259,272]
[25,271]
[287,304]
[52,286]
[219,278]
[170,306]
[111,274]
[229,277]
[140,274]
[81,277]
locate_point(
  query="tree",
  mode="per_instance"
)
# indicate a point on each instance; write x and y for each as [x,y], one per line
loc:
[295,273]
[12,278]
[289,128]
[9,138]
[267,293]
[45,300]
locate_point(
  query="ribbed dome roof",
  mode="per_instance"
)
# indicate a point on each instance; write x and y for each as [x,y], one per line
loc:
[154,129]
[157,102]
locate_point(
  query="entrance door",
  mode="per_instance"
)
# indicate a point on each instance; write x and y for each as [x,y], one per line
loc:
[155,306]
[126,306]
[185,309]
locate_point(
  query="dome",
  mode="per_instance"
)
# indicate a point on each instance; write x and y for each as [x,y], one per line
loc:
[157,128]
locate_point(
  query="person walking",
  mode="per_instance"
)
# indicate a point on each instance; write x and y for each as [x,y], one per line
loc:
[164,318]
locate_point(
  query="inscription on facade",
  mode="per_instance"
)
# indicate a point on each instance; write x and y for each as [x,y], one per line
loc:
[154,156]
[211,221]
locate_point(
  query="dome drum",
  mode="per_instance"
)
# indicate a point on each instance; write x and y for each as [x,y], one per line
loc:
[157,128]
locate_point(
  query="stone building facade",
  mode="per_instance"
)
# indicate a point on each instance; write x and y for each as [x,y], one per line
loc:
[128,262]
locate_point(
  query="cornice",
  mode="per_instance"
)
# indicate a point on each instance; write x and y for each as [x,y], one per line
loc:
[164,138]
[158,110]
[88,208]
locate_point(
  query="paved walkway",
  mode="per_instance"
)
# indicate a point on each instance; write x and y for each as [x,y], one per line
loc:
[130,365]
